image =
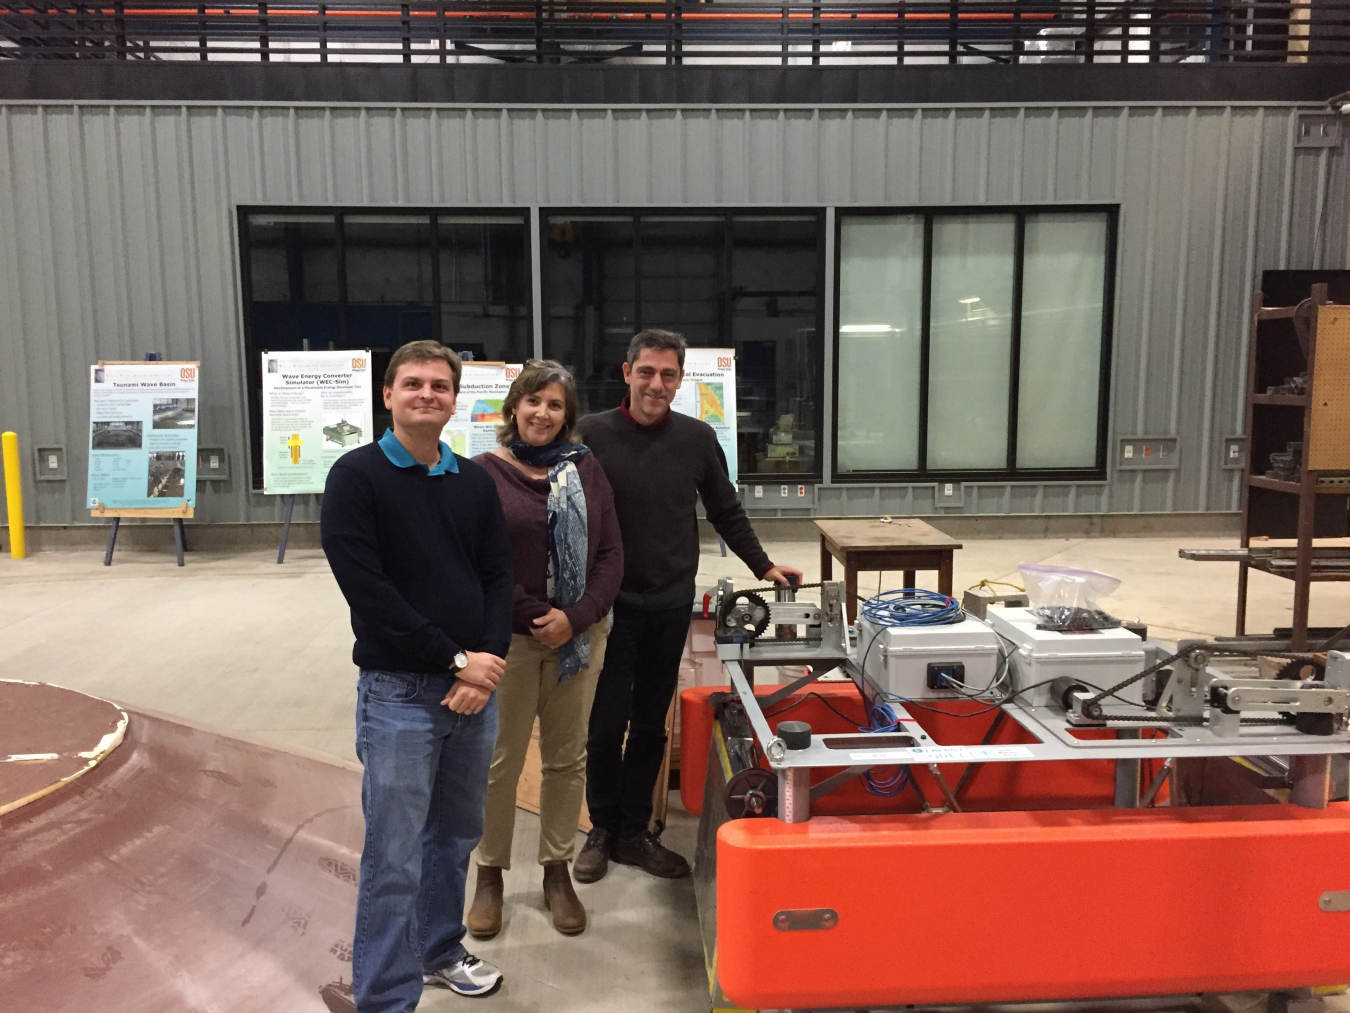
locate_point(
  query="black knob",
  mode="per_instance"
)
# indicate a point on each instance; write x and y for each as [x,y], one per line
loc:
[795,734]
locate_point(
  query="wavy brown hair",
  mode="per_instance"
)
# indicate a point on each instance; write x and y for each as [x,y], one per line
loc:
[538,374]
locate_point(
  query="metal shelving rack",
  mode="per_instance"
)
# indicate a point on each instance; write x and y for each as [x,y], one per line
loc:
[1321,419]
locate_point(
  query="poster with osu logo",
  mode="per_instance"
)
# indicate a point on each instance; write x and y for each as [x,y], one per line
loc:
[316,407]
[142,436]
[483,386]
[708,393]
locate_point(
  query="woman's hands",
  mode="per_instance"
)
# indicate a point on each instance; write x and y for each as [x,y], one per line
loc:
[553,628]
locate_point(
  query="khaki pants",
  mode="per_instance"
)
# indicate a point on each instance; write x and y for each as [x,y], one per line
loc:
[528,688]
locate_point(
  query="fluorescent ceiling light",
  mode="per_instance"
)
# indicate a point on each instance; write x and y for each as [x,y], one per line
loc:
[972,299]
[865,329]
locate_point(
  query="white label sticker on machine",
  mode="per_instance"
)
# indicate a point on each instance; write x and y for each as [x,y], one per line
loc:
[942,754]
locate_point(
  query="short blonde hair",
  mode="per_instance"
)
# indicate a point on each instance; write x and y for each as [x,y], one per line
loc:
[538,374]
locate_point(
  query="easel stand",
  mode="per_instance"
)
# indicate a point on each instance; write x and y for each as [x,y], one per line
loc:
[286,528]
[177,515]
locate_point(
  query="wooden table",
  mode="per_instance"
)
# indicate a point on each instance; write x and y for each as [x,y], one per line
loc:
[904,544]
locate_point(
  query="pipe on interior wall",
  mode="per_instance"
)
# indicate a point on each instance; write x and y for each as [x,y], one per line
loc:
[536,283]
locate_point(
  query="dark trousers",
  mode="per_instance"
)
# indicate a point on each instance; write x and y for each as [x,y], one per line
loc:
[642,666]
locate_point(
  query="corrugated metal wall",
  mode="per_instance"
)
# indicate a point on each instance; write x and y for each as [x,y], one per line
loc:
[117,237]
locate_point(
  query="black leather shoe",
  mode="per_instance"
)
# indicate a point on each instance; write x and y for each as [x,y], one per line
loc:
[593,862]
[648,854]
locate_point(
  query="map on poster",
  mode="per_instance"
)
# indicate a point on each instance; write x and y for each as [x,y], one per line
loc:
[709,393]
[316,407]
[143,436]
[483,386]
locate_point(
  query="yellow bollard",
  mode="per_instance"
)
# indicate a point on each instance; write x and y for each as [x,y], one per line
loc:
[18,548]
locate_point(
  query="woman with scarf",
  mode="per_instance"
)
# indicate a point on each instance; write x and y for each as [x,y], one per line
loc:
[569,563]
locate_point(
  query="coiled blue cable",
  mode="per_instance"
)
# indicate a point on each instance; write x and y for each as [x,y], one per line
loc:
[910,607]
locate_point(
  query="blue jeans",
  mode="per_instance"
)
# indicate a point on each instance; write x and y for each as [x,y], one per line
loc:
[423,794]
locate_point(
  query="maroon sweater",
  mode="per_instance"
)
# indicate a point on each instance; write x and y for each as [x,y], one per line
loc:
[525,501]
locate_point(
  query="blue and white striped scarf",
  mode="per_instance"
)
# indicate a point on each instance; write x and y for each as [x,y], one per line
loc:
[568,538]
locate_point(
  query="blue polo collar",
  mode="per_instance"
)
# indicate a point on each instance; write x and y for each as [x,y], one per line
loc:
[400,458]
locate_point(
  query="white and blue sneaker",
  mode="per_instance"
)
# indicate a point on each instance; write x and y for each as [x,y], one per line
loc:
[467,976]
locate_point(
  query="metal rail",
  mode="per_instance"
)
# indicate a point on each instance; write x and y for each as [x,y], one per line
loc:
[674,32]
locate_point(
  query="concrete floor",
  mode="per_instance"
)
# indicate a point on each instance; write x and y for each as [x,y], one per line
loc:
[240,643]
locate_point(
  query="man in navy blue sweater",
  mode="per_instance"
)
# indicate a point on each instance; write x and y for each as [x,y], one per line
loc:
[417,541]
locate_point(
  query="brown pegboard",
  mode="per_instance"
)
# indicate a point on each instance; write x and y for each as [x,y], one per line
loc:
[1329,428]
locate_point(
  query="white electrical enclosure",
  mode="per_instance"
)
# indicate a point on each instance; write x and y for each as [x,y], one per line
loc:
[897,658]
[1098,658]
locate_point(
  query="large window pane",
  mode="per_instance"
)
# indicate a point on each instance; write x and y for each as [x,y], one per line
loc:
[970,341]
[745,282]
[1059,379]
[682,276]
[293,277]
[485,288]
[775,270]
[589,309]
[389,282]
[880,337]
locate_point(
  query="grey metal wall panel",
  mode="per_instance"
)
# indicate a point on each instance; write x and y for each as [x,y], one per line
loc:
[118,236]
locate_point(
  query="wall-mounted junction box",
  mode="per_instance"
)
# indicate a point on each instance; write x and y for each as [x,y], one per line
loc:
[778,494]
[213,464]
[950,494]
[1234,452]
[1147,452]
[49,464]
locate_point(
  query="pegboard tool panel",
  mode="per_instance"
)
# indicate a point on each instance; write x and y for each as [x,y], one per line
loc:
[1329,430]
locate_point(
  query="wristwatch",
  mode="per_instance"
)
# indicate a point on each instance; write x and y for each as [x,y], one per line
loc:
[459,663]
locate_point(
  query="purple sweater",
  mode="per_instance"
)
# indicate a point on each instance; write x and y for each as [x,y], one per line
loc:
[525,501]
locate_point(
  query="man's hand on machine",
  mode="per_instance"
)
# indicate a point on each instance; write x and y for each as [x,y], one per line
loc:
[780,574]
[482,672]
[466,699]
[553,628]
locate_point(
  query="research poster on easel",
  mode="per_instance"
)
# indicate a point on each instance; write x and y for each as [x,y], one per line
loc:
[709,394]
[316,407]
[143,436]
[483,386]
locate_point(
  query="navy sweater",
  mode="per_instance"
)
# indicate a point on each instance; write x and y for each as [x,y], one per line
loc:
[423,560]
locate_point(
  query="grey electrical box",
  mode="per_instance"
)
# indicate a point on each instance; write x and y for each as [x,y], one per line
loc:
[213,464]
[950,494]
[1151,453]
[1318,130]
[775,495]
[50,464]
[1235,452]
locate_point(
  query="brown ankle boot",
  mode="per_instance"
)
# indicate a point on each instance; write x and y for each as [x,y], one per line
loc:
[485,917]
[569,917]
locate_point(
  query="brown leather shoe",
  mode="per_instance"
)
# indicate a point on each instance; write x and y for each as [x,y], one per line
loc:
[485,917]
[593,862]
[648,854]
[569,917]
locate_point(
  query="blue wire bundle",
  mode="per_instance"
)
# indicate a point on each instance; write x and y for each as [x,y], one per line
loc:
[906,607]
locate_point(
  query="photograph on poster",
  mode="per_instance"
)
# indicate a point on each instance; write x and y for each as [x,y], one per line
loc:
[116,436]
[175,413]
[168,470]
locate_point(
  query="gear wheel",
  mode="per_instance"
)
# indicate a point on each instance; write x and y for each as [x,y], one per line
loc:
[743,614]
[1302,668]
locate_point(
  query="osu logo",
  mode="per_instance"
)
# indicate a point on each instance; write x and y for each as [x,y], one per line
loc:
[512,372]
[187,373]
[358,364]
[724,362]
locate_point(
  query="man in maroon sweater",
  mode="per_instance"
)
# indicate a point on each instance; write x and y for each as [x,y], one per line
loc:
[659,464]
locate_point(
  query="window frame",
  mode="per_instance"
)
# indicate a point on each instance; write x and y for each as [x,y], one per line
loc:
[725,310]
[253,353]
[1010,472]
